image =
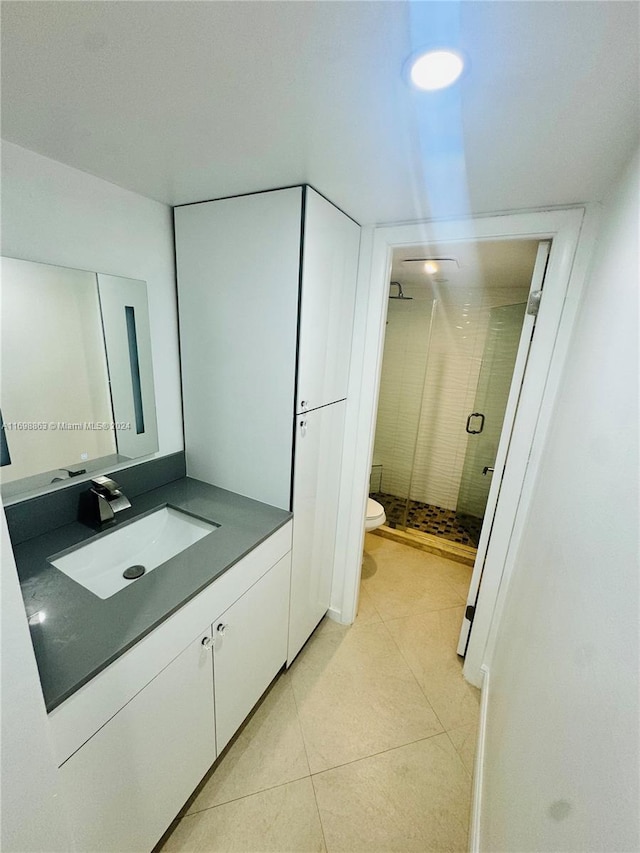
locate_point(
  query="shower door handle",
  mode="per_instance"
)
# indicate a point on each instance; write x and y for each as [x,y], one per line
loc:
[468,427]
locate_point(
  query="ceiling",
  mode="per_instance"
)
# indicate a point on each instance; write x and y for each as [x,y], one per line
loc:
[185,101]
[467,270]
[484,263]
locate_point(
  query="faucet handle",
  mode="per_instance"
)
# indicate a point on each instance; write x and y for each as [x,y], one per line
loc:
[106,486]
[100,503]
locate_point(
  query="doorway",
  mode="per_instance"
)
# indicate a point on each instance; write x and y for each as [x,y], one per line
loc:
[454,322]
[564,277]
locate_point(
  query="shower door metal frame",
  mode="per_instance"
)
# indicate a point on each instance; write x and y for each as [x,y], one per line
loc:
[572,232]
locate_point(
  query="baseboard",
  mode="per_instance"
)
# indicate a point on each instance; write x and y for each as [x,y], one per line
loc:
[335,614]
[478,771]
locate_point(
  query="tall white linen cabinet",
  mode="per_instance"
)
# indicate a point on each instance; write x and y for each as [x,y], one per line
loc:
[266,293]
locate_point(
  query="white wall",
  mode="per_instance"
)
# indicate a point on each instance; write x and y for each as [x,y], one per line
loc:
[32,816]
[562,766]
[54,214]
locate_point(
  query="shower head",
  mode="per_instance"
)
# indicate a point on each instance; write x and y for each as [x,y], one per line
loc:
[400,293]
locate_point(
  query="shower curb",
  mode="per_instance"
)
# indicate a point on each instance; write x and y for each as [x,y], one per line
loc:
[432,544]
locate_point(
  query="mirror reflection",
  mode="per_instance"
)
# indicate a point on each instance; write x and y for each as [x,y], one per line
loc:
[76,390]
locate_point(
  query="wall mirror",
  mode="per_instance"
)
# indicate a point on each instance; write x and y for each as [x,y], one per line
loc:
[76,376]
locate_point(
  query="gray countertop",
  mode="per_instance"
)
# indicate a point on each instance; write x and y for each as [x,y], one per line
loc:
[81,634]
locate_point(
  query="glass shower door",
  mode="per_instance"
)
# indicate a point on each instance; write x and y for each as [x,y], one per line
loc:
[484,424]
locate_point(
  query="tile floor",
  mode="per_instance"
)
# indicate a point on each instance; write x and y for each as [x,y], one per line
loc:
[367,742]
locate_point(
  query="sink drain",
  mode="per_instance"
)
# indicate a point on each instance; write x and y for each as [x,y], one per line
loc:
[133,572]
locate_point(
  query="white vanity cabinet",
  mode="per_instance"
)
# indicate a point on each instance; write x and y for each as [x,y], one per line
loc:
[266,291]
[124,786]
[237,264]
[329,269]
[134,742]
[319,436]
[250,646]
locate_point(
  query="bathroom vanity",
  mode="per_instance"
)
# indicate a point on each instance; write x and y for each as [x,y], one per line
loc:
[147,680]
[146,687]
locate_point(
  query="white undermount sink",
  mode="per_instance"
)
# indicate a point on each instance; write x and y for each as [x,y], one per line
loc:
[149,542]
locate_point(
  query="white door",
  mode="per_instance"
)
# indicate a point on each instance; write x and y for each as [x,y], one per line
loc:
[126,784]
[329,271]
[316,487]
[250,647]
[537,280]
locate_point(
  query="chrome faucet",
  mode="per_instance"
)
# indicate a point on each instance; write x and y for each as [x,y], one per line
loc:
[100,504]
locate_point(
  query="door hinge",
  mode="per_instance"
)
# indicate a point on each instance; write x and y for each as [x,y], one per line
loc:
[533,305]
[470,612]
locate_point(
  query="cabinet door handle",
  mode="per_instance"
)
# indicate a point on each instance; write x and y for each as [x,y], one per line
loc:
[207,642]
[304,405]
[221,628]
[303,428]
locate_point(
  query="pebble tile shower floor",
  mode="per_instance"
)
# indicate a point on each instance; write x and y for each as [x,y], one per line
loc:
[367,742]
[431,519]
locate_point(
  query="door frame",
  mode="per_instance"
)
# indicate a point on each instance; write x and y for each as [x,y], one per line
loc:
[572,231]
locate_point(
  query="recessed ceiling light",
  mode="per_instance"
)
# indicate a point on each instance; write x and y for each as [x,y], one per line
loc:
[431,267]
[436,69]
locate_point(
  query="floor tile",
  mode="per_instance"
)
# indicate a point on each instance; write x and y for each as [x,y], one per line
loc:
[402,581]
[364,708]
[367,611]
[464,739]
[457,575]
[269,751]
[356,696]
[414,798]
[373,544]
[282,820]
[367,614]
[428,644]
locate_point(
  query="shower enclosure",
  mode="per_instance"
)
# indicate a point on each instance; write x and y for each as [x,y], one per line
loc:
[449,353]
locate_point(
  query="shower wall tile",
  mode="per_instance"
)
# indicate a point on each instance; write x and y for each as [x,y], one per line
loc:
[401,384]
[428,388]
[448,399]
[425,407]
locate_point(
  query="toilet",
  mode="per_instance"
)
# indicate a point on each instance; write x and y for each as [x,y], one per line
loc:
[375,515]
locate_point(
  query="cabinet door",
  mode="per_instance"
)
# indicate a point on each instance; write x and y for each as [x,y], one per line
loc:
[329,270]
[127,783]
[250,646]
[238,269]
[316,486]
